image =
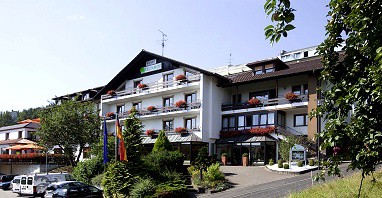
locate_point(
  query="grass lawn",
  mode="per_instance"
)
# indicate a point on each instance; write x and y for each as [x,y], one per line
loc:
[346,187]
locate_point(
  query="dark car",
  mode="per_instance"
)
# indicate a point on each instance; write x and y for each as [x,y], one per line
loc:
[78,191]
[5,181]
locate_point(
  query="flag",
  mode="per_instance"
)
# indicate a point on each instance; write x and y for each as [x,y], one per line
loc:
[105,159]
[121,146]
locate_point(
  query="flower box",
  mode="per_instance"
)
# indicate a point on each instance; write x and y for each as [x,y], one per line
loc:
[150,132]
[181,104]
[291,96]
[142,86]
[110,115]
[111,92]
[181,77]
[181,130]
[151,108]
[254,102]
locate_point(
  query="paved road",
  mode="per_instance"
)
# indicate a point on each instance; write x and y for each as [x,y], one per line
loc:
[8,194]
[277,188]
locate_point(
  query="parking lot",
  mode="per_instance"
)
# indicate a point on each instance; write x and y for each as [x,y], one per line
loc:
[8,194]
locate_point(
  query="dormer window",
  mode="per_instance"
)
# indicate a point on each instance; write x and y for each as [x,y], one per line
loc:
[269,68]
[262,69]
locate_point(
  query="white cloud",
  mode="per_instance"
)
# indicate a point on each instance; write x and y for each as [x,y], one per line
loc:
[75,17]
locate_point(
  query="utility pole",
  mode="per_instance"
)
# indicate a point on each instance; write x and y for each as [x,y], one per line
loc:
[163,40]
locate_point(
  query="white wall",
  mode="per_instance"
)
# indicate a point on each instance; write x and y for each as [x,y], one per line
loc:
[290,120]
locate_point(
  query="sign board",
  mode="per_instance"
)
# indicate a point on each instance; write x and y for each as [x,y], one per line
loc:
[297,153]
[151,68]
[151,62]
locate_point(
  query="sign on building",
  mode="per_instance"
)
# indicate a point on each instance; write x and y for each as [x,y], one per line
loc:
[151,65]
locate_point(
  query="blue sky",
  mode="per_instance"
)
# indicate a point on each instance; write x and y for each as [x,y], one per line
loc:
[52,48]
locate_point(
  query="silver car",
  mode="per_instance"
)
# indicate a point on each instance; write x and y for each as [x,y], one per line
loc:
[64,184]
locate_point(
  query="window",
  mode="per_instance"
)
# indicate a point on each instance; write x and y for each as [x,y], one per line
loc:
[269,68]
[167,79]
[300,89]
[20,134]
[301,120]
[168,102]
[305,89]
[7,136]
[137,105]
[30,181]
[229,123]
[85,96]
[240,122]
[267,94]
[262,120]
[190,123]
[120,109]
[189,98]
[168,125]
[259,70]
[136,83]
[306,54]
[189,73]
[236,98]
[297,55]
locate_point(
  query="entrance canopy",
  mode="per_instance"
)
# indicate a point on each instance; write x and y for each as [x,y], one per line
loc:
[24,147]
[244,138]
[174,138]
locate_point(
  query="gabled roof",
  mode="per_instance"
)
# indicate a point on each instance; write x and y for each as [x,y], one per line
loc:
[121,76]
[295,68]
[67,96]
[30,125]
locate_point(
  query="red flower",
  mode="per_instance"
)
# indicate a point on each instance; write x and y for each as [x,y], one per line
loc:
[141,86]
[110,92]
[180,130]
[253,131]
[110,114]
[291,96]
[254,101]
[181,77]
[181,103]
[151,108]
[150,132]
[262,131]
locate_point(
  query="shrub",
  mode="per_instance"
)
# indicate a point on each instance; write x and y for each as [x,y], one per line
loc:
[213,176]
[162,143]
[245,155]
[171,189]
[143,188]
[311,162]
[280,163]
[164,160]
[203,160]
[271,162]
[300,163]
[97,180]
[86,170]
[118,179]
[286,166]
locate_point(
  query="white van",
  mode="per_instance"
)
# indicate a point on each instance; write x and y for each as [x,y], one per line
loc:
[16,184]
[36,184]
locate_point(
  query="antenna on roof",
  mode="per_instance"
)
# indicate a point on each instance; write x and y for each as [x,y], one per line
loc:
[163,40]
[230,58]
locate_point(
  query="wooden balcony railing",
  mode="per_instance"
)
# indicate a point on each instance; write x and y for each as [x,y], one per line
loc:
[263,103]
[154,86]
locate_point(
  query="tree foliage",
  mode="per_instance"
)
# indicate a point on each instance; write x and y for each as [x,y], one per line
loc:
[132,137]
[6,119]
[162,143]
[70,125]
[118,179]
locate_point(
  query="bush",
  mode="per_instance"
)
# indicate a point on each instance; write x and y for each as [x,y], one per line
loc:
[86,170]
[286,166]
[300,163]
[171,189]
[162,143]
[143,188]
[280,163]
[164,160]
[212,177]
[118,180]
[97,180]
[311,162]
[271,162]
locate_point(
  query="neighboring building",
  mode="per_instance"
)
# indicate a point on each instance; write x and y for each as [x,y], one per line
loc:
[218,112]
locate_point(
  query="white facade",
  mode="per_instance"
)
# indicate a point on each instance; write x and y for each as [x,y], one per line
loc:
[11,134]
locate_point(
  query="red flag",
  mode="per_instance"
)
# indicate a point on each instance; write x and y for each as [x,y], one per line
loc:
[121,146]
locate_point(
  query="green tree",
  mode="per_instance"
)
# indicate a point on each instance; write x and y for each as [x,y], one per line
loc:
[6,119]
[162,143]
[97,148]
[354,78]
[118,179]
[71,126]
[132,137]
[30,113]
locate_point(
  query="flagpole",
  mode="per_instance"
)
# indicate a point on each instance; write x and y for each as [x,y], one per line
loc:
[116,139]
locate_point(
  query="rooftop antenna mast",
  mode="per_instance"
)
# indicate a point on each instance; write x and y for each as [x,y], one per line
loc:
[230,58]
[163,40]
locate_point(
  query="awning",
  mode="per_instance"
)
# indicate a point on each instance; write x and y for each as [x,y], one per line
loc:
[174,138]
[245,139]
[25,147]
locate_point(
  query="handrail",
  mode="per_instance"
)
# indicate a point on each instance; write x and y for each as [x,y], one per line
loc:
[154,86]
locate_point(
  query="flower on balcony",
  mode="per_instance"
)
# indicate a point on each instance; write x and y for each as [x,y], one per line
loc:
[181,77]
[110,115]
[151,108]
[254,101]
[181,130]
[110,92]
[253,131]
[181,104]
[150,132]
[262,131]
[291,96]
[142,86]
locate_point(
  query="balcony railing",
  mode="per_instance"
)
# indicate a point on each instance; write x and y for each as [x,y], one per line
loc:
[160,109]
[154,86]
[263,103]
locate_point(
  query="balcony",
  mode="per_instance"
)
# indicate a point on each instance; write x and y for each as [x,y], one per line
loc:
[154,87]
[266,104]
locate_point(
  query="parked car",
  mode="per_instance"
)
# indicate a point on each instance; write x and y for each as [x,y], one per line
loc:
[64,184]
[77,190]
[5,181]
[16,184]
[36,184]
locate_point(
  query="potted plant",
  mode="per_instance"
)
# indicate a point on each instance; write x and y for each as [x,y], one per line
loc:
[110,115]
[110,92]
[224,158]
[245,159]
[292,97]
[254,102]
[150,132]
[181,130]
[181,104]
[181,78]
[151,108]
[142,86]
